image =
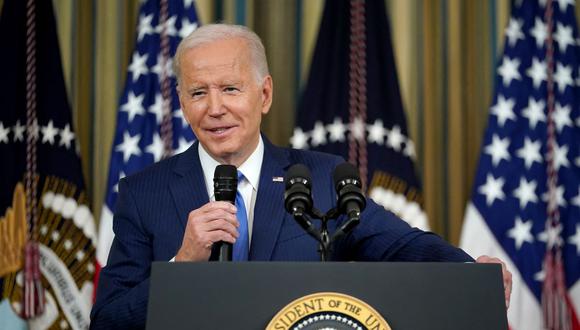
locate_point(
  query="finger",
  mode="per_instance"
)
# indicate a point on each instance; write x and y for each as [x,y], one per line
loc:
[221,225]
[212,215]
[202,224]
[219,205]
[482,259]
[220,235]
[508,287]
[220,214]
[210,207]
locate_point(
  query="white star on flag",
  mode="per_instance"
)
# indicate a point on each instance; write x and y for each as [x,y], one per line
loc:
[538,72]
[563,77]
[4,131]
[551,236]
[576,200]
[184,144]
[561,156]
[514,32]
[130,146]
[169,26]
[134,105]
[318,136]
[145,26]
[409,149]
[357,128]
[575,239]
[521,232]
[562,117]
[299,139]
[187,28]
[156,147]
[337,130]
[157,108]
[376,132]
[116,186]
[509,70]
[563,36]
[66,136]
[559,197]
[178,114]
[539,32]
[138,66]
[498,150]
[563,4]
[526,192]
[395,138]
[158,67]
[19,131]
[492,189]
[534,112]
[530,152]
[48,133]
[503,110]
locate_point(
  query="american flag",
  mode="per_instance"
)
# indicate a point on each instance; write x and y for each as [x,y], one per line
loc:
[139,137]
[37,136]
[525,205]
[352,106]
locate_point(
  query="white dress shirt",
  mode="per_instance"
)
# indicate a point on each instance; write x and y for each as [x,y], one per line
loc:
[248,187]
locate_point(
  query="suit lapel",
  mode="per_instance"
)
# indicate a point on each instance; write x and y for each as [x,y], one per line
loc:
[269,210]
[188,185]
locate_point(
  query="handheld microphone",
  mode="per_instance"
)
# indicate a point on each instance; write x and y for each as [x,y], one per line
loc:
[298,195]
[225,184]
[351,200]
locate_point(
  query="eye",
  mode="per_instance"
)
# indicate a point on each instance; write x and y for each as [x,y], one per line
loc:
[231,89]
[197,93]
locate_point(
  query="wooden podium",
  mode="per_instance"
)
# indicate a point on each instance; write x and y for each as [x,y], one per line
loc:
[248,295]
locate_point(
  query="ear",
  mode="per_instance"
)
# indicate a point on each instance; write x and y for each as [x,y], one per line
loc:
[267,90]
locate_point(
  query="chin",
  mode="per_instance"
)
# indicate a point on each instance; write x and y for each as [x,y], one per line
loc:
[224,153]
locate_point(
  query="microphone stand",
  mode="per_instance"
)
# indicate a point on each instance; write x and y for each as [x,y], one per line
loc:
[322,236]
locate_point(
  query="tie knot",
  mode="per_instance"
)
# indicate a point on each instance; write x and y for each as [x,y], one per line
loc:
[240,176]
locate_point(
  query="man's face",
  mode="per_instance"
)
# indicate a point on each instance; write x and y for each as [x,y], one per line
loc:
[221,99]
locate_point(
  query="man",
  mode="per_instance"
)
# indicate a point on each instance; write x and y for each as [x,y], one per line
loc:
[166,212]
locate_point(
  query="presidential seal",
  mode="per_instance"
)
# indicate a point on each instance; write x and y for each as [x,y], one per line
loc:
[328,311]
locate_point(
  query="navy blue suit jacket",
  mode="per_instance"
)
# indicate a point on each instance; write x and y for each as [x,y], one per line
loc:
[153,206]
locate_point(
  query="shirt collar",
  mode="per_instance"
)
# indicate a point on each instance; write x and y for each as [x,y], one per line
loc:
[250,168]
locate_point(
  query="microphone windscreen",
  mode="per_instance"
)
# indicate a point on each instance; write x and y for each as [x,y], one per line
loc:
[225,183]
[297,171]
[345,171]
[226,172]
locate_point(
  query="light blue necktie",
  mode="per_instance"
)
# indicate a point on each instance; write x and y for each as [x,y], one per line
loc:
[241,247]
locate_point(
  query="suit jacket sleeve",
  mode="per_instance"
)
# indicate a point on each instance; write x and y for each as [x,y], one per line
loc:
[124,283]
[381,235]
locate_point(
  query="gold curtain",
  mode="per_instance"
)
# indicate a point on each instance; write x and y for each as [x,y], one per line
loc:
[446,52]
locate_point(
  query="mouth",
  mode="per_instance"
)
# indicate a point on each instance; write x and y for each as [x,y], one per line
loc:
[221,130]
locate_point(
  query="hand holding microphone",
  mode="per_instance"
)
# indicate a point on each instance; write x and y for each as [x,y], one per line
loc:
[215,223]
[225,185]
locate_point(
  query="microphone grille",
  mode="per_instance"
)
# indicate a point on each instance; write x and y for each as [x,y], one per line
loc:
[346,171]
[227,172]
[297,171]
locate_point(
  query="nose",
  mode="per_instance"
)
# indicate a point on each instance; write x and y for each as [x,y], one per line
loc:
[215,103]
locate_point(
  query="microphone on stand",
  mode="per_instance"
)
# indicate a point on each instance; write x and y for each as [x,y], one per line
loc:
[298,195]
[351,200]
[225,185]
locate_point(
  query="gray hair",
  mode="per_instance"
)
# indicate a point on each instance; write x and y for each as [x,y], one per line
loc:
[215,32]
